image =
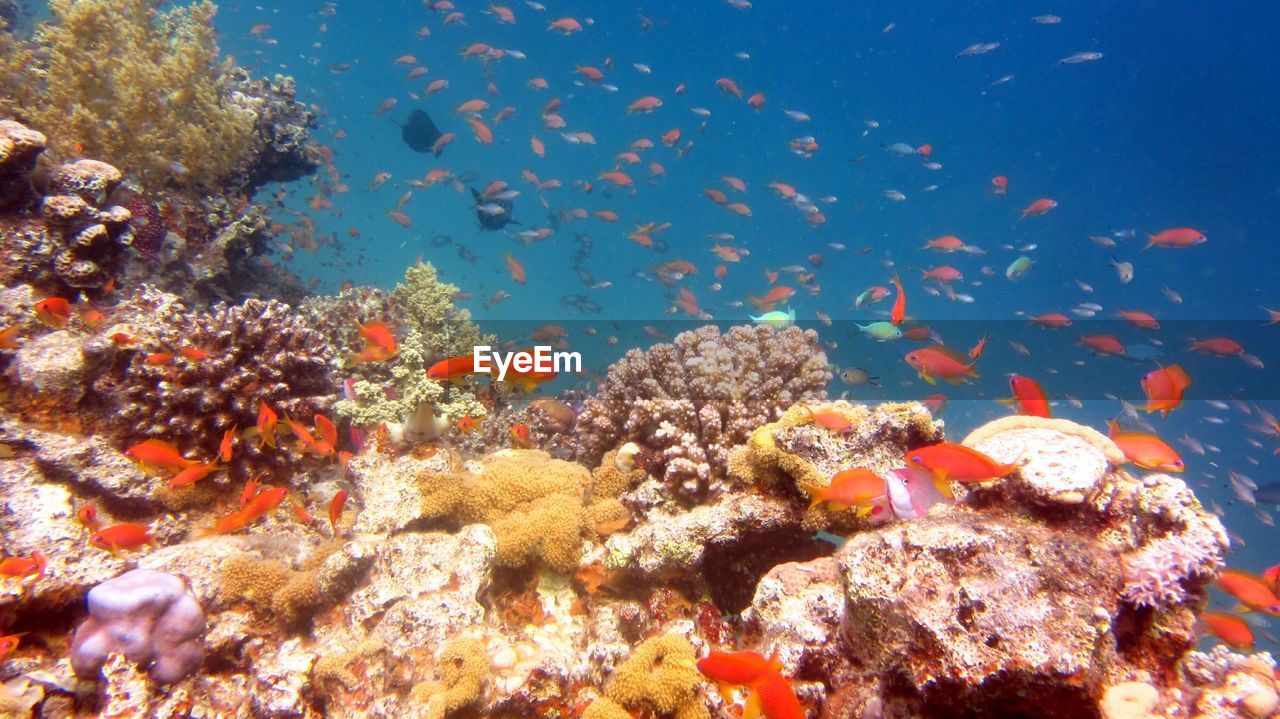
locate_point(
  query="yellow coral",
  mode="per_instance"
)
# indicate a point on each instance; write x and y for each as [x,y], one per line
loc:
[463,670]
[269,585]
[662,673]
[136,87]
[533,503]
[334,667]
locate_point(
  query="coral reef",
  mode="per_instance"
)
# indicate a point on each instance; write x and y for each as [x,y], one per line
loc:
[688,403]
[64,239]
[413,406]
[281,149]
[289,595]
[95,83]
[253,353]
[149,618]
[661,676]
[464,667]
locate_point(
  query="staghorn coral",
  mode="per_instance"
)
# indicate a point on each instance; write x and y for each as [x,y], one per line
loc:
[65,240]
[661,675]
[257,352]
[688,403]
[437,329]
[533,503]
[464,669]
[138,87]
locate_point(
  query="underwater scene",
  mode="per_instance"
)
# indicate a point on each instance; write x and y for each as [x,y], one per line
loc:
[730,359]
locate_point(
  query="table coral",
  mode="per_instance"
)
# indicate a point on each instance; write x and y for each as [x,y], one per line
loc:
[689,402]
[149,618]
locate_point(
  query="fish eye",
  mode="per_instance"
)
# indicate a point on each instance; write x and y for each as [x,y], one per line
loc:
[916,459]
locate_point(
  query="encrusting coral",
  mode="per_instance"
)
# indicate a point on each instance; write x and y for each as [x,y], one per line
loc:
[689,402]
[661,675]
[98,79]
[413,406]
[287,595]
[259,352]
[65,238]
[463,669]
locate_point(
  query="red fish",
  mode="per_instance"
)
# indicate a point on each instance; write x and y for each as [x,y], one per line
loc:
[515,268]
[335,509]
[855,487]
[776,697]
[266,427]
[737,668]
[259,506]
[1232,630]
[1103,344]
[520,435]
[1164,388]
[156,453]
[9,337]
[9,644]
[779,293]
[225,447]
[938,361]
[192,474]
[379,343]
[1029,396]
[1039,207]
[1253,591]
[899,312]
[1176,237]
[24,569]
[88,517]
[1220,346]
[1052,320]
[826,419]
[645,104]
[1145,450]
[999,185]
[453,369]
[128,537]
[54,311]
[956,463]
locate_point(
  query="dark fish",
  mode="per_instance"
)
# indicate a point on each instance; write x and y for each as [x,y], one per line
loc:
[493,221]
[441,240]
[466,254]
[419,132]
[1268,493]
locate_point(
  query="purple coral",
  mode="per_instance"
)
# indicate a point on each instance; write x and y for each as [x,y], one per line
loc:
[1155,574]
[149,618]
[689,402]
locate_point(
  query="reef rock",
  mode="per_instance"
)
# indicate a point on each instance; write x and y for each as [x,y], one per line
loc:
[389,488]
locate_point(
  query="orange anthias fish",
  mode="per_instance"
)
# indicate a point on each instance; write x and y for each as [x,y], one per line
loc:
[262,503]
[128,537]
[193,474]
[156,453]
[1145,450]
[1164,388]
[1232,630]
[899,312]
[54,311]
[225,447]
[379,343]
[266,426]
[9,644]
[737,668]
[939,362]
[770,300]
[335,509]
[1029,396]
[514,267]
[9,337]
[1253,591]
[855,487]
[827,419]
[776,697]
[24,569]
[467,424]
[453,369]
[520,435]
[956,463]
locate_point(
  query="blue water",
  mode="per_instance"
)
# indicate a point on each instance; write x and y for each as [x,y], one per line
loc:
[1177,125]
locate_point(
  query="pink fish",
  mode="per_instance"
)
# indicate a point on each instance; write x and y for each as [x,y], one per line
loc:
[911,493]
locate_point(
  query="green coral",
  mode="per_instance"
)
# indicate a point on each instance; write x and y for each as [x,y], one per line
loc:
[662,673]
[134,86]
[437,330]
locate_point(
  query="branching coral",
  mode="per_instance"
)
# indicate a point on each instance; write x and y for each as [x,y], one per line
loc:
[138,87]
[661,675]
[689,402]
[533,503]
[463,670]
[258,352]
[437,329]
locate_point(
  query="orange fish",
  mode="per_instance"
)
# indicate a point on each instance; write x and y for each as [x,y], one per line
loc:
[327,430]
[335,509]
[53,312]
[1141,320]
[514,267]
[9,337]
[937,361]
[1219,346]
[1176,237]
[301,512]
[899,312]
[779,293]
[193,354]
[92,318]
[379,343]
[9,644]
[1052,320]
[1145,450]
[1164,388]
[1102,344]
[833,421]
[480,130]
[267,421]
[1039,207]
[645,104]
[565,25]
[453,369]
[1253,591]
[776,697]
[1029,396]
[849,488]
[259,506]
[159,358]
[952,462]
[737,668]
[224,448]
[192,474]
[156,453]
[128,537]
[467,424]
[24,569]
[1232,630]
[520,435]
[88,517]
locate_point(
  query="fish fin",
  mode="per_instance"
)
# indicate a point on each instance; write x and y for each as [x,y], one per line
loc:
[1242,609]
[928,378]
[865,510]
[752,709]
[726,693]
[1007,401]
[944,486]
[816,493]
[774,663]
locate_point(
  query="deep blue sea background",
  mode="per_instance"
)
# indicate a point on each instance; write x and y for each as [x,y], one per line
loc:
[1177,125]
